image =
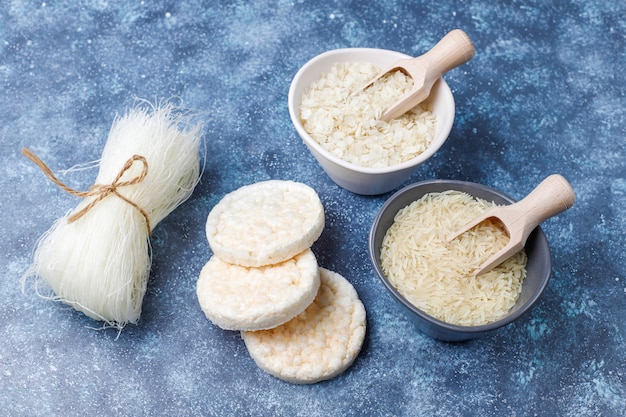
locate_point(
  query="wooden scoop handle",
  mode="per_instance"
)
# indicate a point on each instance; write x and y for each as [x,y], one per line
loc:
[454,49]
[551,197]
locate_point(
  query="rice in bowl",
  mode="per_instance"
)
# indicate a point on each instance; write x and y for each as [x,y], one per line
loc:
[347,124]
[436,276]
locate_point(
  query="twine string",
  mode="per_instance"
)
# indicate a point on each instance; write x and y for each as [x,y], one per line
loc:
[100,191]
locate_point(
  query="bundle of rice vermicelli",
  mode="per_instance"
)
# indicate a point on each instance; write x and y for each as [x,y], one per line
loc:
[97,257]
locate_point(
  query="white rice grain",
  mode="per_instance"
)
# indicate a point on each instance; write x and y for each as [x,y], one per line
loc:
[436,276]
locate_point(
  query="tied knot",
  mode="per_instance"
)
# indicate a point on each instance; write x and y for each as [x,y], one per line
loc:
[99,191]
[102,188]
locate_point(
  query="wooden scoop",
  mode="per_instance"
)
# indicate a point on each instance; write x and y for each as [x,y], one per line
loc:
[551,197]
[452,50]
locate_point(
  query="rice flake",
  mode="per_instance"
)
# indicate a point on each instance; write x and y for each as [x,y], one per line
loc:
[348,126]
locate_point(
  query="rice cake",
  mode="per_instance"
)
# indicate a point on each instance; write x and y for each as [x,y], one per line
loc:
[265,223]
[235,297]
[318,344]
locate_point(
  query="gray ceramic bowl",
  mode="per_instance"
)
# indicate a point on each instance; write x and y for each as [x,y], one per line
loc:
[538,267]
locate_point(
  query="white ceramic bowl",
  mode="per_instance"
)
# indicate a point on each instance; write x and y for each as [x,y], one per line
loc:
[358,179]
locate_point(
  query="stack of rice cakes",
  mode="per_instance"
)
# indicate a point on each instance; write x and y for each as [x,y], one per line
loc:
[300,322]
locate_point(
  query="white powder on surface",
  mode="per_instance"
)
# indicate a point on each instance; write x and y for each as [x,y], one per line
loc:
[348,126]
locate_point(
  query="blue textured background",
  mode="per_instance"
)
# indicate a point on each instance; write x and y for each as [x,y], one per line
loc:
[545,93]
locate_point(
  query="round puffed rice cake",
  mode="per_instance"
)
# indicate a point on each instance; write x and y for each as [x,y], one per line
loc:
[265,223]
[318,344]
[235,297]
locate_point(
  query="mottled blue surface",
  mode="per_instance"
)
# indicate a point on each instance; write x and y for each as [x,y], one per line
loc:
[545,93]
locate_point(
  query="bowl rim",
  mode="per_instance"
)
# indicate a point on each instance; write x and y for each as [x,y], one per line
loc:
[441,86]
[523,309]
